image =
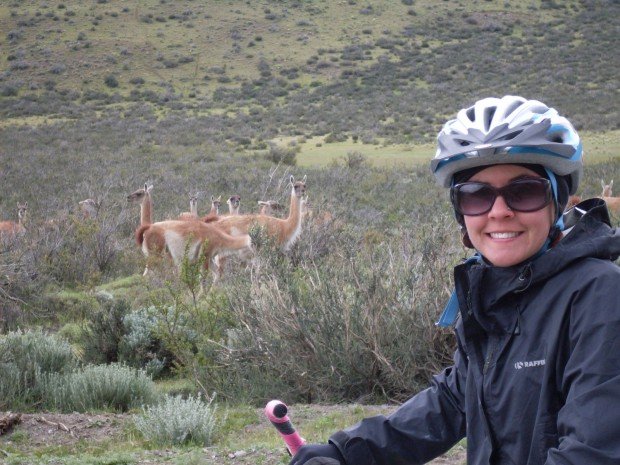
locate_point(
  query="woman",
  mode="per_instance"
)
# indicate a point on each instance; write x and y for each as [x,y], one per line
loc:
[536,373]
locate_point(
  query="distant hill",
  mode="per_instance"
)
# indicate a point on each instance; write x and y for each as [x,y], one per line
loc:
[389,69]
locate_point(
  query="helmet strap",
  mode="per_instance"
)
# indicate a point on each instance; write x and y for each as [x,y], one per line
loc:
[559,222]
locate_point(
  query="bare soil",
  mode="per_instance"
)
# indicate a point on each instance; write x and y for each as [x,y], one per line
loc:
[43,429]
[52,429]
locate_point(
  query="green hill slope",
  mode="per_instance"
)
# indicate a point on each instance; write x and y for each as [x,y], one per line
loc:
[380,68]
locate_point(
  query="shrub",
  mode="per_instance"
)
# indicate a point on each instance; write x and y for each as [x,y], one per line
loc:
[79,251]
[355,160]
[372,335]
[190,330]
[141,346]
[103,333]
[9,90]
[111,81]
[177,421]
[284,155]
[25,357]
[99,387]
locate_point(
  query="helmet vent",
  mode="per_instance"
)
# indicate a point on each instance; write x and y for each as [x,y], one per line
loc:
[510,136]
[471,114]
[488,117]
[516,104]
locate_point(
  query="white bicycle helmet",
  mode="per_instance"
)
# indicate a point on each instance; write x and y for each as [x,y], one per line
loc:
[504,130]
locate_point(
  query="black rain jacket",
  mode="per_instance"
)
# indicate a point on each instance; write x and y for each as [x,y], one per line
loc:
[536,374]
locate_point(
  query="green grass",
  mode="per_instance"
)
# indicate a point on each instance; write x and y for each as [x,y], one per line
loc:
[175,386]
[314,151]
[600,146]
[324,154]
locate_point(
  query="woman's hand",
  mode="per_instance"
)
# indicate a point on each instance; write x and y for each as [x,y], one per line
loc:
[318,454]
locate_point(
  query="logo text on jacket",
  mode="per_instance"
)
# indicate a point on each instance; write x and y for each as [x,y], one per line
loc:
[529,364]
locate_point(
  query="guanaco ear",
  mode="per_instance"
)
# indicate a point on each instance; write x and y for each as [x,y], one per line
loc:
[292,180]
[219,199]
[212,198]
[260,202]
[304,179]
[602,184]
[149,189]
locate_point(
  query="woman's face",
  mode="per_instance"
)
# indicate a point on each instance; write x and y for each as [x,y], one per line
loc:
[503,236]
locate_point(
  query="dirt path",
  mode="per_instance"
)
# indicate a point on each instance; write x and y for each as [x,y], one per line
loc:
[47,429]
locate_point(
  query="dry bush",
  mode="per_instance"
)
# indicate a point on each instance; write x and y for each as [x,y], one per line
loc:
[357,325]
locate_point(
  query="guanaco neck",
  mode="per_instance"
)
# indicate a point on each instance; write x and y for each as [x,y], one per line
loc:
[22,217]
[294,214]
[607,190]
[146,210]
[293,221]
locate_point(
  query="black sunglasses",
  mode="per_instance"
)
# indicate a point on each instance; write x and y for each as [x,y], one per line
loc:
[522,195]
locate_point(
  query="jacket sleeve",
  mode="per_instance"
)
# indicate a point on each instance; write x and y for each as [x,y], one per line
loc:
[424,427]
[588,424]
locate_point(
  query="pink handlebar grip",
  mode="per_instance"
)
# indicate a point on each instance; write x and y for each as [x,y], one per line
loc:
[276,411]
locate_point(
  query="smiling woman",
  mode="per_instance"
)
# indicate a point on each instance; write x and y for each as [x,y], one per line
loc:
[536,309]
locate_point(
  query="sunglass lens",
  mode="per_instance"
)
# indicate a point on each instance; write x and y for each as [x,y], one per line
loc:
[474,199]
[527,195]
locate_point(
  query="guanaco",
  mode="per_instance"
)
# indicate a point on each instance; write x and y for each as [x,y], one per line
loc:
[12,228]
[284,230]
[269,207]
[177,237]
[192,214]
[89,208]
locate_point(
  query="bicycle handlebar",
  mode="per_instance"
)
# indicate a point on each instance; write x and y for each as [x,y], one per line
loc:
[277,413]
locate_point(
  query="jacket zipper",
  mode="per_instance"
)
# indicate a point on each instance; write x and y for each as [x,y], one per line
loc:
[490,354]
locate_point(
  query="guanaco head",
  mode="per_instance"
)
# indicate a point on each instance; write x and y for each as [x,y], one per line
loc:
[140,194]
[233,204]
[193,202]
[269,207]
[89,208]
[607,188]
[22,211]
[216,204]
[299,187]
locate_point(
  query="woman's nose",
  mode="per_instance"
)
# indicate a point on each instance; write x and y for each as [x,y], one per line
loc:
[500,208]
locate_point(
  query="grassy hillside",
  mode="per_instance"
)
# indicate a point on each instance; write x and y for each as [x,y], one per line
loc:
[390,68]
[97,97]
